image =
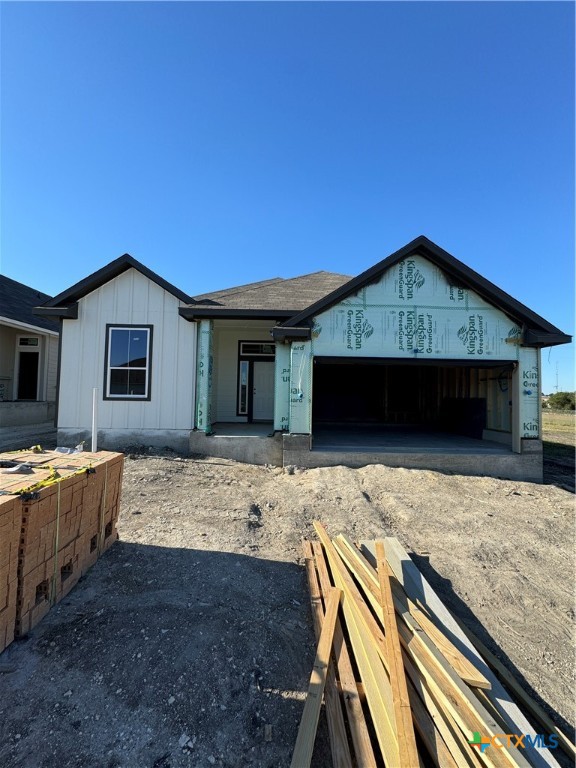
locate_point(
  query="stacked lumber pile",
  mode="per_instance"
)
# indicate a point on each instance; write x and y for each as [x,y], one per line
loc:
[403,683]
[60,517]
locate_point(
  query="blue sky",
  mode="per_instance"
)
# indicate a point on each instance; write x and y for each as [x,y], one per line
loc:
[222,143]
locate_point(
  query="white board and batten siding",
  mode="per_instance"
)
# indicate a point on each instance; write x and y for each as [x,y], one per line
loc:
[129,299]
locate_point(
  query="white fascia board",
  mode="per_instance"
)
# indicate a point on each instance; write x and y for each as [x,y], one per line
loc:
[26,327]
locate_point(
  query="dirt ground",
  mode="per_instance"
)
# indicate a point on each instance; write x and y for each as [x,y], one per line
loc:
[193,631]
[559,432]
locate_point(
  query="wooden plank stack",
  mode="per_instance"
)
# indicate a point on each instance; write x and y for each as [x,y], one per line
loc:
[404,685]
[57,521]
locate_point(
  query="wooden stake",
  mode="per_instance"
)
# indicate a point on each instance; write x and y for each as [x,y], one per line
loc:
[350,688]
[402,712]
[309,723]
[337,731]
[366,653]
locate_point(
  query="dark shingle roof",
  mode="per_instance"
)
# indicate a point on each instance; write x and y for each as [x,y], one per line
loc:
[17,302]
[293,294]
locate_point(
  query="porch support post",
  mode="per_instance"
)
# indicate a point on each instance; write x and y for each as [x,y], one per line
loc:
[204,377]
[529,370]
[282,388]
[516,396]
[526,390]
[301,388]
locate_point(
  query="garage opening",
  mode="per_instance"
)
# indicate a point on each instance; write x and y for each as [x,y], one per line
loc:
[395,397]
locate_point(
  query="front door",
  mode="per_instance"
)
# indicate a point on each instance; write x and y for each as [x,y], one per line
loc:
[263,391]
[28,375]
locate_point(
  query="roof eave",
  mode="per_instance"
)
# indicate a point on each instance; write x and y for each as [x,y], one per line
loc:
[283,333]
[227,313]
[538,338]
[70,312]
[12,322]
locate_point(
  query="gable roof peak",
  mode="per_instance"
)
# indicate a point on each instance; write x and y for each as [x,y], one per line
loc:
[454,269]
[109,272]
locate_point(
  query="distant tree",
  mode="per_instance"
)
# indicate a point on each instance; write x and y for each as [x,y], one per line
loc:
[562,401]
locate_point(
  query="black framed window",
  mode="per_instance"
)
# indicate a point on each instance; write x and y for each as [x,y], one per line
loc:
[128,362]
[257,349]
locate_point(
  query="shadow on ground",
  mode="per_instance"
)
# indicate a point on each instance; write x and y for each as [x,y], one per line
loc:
[161,658]
[559,465]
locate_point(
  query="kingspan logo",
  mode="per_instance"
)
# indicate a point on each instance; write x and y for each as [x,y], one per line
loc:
[410,279]
[316,329]
[357,329]
[472,335]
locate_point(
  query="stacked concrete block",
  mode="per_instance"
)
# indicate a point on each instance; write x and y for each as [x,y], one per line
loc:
[10,524]
[63,527]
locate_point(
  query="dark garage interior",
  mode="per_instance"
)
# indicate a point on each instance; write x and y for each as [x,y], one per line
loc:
[449,398]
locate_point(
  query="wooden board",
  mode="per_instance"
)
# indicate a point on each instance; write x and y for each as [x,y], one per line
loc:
[367,655]
[532,706]
[367,574]
[402,711]
[418,589]
[337,731]
[421,719]
[445,742]
[349,687]
[304,748]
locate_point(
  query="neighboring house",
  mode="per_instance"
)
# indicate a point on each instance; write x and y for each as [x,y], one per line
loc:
[417,362]
[28,356]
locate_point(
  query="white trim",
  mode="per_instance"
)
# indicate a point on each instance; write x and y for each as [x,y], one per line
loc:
[26,326]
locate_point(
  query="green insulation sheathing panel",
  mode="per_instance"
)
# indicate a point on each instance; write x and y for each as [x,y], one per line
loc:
[529,394]
[282,388]
[301,388]
[414,312]
[204,377]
